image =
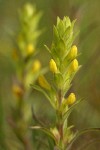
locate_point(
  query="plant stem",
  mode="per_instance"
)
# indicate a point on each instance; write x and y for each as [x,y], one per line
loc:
[60,97]
[59,118]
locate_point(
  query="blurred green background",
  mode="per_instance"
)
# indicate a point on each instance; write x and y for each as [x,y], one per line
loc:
[87,81]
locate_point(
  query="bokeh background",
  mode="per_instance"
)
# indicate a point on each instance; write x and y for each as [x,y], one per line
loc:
[87,81]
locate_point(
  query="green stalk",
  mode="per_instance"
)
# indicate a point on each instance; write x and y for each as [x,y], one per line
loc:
[60,119]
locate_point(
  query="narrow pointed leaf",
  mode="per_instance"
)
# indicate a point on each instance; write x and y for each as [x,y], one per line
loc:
[80,133]
[47,48]
[45,130]
[36,87]
[66,114]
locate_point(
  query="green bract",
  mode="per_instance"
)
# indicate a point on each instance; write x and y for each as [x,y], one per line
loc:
[62,38]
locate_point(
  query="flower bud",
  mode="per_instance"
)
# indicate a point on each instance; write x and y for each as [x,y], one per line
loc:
[17,90]
[73,52]
[29,49]
[74,66]
[36,66]
[55,133]
[71,99]
[43,82]
[53,66]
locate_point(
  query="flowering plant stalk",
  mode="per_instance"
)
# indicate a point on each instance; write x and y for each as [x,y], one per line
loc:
[63,66]
[27,69]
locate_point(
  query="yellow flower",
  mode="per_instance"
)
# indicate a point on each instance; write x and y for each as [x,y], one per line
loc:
[36,66]
[17,90]
[53,66]
[43,82]
[71,99]
[30,49]
[73,52]
[74,66]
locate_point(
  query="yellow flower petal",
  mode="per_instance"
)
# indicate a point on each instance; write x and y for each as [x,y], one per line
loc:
[53,66]
[73,52]
[43,82]
[36,66]
[30,49]
[71,99]
[74,66]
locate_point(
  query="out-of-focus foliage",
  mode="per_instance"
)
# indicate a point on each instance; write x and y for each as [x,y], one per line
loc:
[86,83]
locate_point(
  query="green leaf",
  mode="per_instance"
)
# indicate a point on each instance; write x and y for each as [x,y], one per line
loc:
[62,25]
[80,133]
[72,76]
[68,78]
[53,52]
[55,35]
[47,48]
[69,135]
[58,80]
[66,114]
[67,21]
[67,84]
[51,143]
[66,33]
[45,130]
[44,70]
[60,28]
[61,48]
[38,88]
[58,20]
